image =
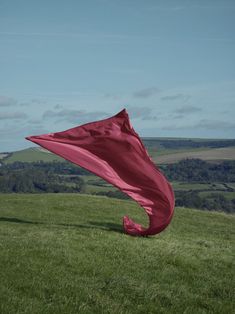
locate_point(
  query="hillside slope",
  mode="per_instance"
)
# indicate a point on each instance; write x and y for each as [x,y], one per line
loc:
[31,155]
[68,254]
[212,155]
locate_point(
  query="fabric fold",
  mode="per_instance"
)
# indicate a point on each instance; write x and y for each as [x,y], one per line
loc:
[111,149]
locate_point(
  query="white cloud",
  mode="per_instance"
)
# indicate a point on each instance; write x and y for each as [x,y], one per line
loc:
[7,101]
[146,92]
[173,97]
[187,109]
[74,116]
[13,116]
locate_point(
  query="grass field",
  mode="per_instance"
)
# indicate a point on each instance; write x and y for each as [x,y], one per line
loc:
[155,153]
[212,155]
[91,189]
[31,155]
[190,186]
[67,253]
[228,195]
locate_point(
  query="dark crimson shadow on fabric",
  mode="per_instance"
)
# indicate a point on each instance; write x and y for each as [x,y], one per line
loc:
[111,149]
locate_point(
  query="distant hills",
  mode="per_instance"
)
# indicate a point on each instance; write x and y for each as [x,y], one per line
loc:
[161,150]
[29,155]
[202,172]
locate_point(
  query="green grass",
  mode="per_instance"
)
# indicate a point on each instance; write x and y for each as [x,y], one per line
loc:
[208,154]
[88,178]
[213,187]
[67,253]
[90,188]
[31,155]
[154,152]
[95,184]
[226,194]
[190,186]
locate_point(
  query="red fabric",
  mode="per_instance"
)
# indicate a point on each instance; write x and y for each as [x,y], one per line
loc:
[111,149]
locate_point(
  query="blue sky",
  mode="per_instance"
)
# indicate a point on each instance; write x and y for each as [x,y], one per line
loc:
[169,63]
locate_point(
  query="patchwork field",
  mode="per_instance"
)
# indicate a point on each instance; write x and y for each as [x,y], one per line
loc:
[213,155]
[67,253]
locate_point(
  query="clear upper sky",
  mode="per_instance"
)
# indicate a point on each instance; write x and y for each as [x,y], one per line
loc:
[169,63]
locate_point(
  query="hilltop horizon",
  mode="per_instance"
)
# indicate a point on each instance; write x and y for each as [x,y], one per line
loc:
[31,145]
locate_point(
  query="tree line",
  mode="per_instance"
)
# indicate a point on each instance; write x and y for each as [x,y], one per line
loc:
[197,170]
[212,201]
[65,177]
[40,177]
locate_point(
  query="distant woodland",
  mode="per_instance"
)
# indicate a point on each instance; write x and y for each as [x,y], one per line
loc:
[41,177]
[64,177]
[197,170]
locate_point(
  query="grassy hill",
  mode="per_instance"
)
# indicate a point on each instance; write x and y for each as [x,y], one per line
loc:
[67,253]
[31,155]
[211,155]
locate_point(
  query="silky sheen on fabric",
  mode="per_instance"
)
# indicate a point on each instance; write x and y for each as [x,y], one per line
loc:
[111,149]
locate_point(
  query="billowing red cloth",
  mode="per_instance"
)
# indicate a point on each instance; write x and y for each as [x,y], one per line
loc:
[111,149]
